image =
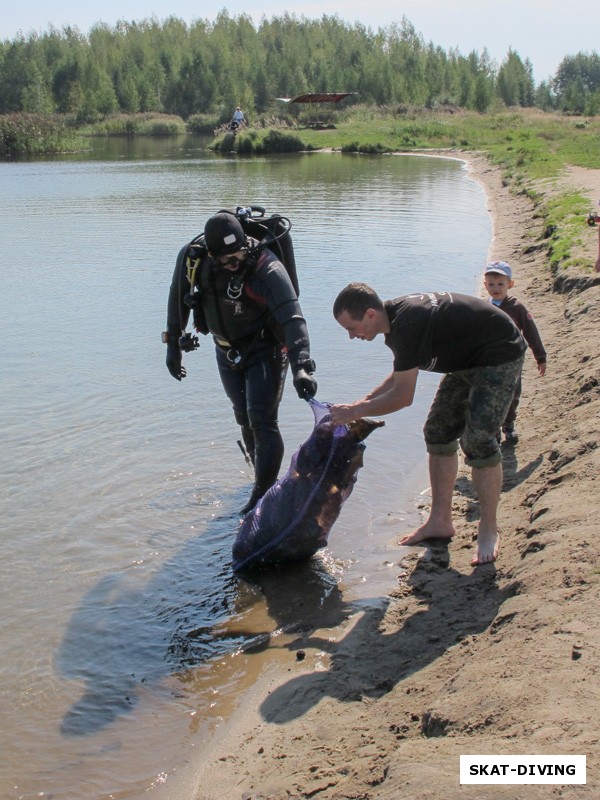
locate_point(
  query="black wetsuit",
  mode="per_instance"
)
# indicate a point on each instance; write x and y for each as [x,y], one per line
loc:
[258,327]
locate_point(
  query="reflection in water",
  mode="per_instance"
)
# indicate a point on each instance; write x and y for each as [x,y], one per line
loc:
[299,597]
[124,635]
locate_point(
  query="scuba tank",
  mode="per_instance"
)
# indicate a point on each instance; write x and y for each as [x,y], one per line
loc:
[272,232]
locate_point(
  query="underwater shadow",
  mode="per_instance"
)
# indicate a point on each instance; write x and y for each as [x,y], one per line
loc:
[300,597]
[370,663]
[131,631]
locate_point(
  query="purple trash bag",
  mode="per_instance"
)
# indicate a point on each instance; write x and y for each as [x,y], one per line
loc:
[293,519]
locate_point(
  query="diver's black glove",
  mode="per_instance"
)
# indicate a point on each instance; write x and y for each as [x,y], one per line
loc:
[174,360]
[305,385]
[304,382]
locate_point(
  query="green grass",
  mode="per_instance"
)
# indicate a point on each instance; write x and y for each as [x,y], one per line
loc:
[147,124]
[566,215]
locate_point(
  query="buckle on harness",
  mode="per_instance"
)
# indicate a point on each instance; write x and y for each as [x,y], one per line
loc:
[233,356]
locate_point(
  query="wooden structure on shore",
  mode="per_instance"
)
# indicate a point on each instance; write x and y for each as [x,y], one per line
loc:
[314,100]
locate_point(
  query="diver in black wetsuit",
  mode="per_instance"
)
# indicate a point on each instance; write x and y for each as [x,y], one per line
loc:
[241,293]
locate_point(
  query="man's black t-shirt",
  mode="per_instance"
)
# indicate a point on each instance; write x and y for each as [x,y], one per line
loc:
[446,332]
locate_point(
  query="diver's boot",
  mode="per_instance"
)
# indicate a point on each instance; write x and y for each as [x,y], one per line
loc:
[262,485]
[268,454]
[252,501]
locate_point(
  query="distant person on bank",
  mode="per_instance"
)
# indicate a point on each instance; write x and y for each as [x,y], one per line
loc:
[238,117]
[480,351]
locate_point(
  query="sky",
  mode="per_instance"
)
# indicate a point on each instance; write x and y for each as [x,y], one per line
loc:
[544,31]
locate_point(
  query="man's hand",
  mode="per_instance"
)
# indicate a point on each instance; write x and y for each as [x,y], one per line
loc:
[174,361]
[343,414]
[305,384]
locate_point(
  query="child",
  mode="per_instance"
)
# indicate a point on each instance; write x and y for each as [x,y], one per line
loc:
[498,280]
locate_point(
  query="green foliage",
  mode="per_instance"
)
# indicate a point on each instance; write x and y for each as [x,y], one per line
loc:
[226,141]
[279,142]
[209,68]
[24,135]
[202,123]
[264,141]
[515,83]
[577,83]
[147,124]
[368,149]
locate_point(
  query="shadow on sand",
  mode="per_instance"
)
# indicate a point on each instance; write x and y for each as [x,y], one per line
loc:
[369,662]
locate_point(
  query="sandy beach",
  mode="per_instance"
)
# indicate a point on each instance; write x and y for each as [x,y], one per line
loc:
[501,659]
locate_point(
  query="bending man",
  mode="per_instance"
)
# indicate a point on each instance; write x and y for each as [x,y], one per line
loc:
[480,351]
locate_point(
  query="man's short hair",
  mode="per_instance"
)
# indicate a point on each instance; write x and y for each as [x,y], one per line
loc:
[356,298]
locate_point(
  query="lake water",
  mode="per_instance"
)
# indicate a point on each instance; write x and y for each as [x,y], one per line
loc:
[125,639]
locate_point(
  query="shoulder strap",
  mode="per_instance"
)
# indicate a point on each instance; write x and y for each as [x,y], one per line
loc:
[195,252]
[258,298]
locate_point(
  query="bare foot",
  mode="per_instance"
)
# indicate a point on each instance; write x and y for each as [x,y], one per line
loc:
[429,530]
[488,543]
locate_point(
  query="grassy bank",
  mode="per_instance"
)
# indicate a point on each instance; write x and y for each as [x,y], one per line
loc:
[528,141]
[25,135]
[531,147]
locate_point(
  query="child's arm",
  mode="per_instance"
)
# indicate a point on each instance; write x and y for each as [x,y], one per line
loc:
[597,264]
[533,338]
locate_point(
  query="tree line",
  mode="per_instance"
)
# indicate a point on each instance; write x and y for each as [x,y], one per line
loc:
[212,67]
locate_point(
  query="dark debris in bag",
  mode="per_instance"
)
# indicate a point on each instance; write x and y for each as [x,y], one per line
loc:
[293,519]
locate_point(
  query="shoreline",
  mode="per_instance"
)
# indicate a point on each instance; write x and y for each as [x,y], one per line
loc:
[500,659]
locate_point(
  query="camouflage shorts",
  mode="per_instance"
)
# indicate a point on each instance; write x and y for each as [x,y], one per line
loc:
[470,407]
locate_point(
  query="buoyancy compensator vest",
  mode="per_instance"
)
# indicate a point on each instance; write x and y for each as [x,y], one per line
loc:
[272,232]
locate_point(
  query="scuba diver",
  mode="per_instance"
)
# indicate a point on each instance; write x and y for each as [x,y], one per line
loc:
[241,293]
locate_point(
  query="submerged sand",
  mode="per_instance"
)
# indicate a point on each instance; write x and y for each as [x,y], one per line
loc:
[500,659]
